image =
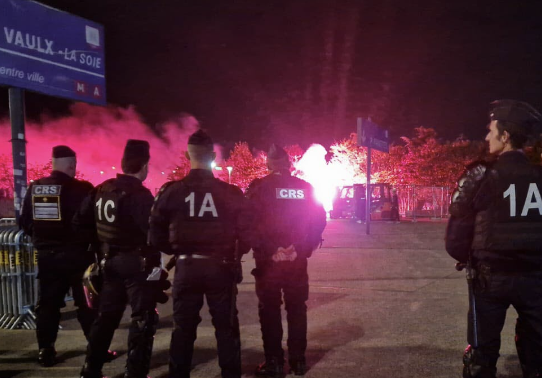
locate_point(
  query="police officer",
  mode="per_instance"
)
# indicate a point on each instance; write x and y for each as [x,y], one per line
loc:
[290,225]
[118,210]
[200,219]
[496,222]
[48,208]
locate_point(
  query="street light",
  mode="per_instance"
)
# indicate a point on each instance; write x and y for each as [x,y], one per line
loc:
[229,174]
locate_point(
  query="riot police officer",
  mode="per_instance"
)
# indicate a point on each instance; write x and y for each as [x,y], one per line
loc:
[118,211]
[496,222]
[48,208]
[200,219]
[290,225]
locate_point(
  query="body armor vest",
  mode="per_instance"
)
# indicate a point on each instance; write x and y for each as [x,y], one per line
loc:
[47,211]
[54,200]
[113,224]
[204,221]
[510,219]
[285,207]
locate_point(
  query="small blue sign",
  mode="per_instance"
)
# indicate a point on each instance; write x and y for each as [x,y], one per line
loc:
[370,135]
[52,52]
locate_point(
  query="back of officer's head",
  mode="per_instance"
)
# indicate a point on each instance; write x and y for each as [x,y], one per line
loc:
[200,150]
[277,159]
[518,118]
[64,160]
[136,156]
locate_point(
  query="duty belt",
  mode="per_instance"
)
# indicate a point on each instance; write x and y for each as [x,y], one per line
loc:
[110,250]
[204,257]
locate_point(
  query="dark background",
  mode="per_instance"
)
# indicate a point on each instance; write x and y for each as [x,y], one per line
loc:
[302,71]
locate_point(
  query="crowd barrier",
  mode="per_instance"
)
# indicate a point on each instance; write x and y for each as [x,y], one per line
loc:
[18,284]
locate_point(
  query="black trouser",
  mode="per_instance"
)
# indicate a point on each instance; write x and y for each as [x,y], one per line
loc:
[194,280]
[124,282]
[272,281]
[58,272]
[494,293]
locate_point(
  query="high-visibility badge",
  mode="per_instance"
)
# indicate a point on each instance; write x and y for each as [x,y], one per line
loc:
[290,193]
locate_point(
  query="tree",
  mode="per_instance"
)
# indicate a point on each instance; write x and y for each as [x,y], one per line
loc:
[181,169]
[246,167]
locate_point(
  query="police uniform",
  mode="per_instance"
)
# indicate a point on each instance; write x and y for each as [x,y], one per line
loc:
[118,210]
[200,219]
[287,215]
[48,208]
[496,222]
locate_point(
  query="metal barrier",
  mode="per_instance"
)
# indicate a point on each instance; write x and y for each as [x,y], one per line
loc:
[424,201]
[18,284]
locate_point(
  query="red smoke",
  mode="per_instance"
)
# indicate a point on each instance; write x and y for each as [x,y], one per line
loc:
[98,136]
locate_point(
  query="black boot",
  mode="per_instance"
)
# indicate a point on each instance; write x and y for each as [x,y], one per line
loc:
[298,367]
[47,356]
[272,367]
[89,373]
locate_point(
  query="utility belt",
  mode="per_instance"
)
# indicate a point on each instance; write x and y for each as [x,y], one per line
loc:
[111,250]
[53,250]
[508,268]
[193,256]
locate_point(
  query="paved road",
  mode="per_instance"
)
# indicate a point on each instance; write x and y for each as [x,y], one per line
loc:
[385,305]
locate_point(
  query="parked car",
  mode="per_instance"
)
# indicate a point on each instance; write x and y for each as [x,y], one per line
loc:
[350,202]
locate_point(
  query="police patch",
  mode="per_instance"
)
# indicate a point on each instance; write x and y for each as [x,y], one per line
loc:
[46,205]
[290,193]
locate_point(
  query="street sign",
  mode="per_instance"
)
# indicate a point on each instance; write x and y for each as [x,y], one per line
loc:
[52,52]
[370,135]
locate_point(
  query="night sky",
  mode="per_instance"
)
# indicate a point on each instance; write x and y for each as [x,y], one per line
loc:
[302,71]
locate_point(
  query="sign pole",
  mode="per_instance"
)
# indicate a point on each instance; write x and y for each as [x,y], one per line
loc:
[18,143]
[368,194]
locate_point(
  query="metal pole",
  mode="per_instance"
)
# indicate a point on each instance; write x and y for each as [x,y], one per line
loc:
[17,117]
[368,194]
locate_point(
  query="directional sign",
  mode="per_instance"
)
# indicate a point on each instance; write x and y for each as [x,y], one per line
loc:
[49,51]
[370,135]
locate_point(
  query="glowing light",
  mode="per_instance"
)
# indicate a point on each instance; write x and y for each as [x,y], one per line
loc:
[218,168]
[313,168]
[213,164]
[113,168]
[163,173]
[229,174]
[324,177]
[101,172]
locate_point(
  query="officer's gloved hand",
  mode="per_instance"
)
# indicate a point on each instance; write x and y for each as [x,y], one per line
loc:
[159,282]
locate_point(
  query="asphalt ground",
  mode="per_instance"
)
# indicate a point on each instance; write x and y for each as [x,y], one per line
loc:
[389,304]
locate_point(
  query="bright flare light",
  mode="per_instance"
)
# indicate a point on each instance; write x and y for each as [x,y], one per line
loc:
[324,177]
[314,169]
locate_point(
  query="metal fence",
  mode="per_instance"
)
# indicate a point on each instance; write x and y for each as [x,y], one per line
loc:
[18,284]
[424,201]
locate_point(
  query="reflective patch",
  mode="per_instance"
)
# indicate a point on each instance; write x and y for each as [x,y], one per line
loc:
[46,208]
[290,193]
[41,190]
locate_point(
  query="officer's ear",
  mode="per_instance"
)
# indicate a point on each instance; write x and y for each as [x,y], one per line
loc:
[187,155]
[505,136]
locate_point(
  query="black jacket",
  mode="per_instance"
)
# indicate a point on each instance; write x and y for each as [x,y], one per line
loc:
[48,208]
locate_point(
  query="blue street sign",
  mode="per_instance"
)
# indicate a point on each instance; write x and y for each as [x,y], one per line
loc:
[52,52]
[370,135]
